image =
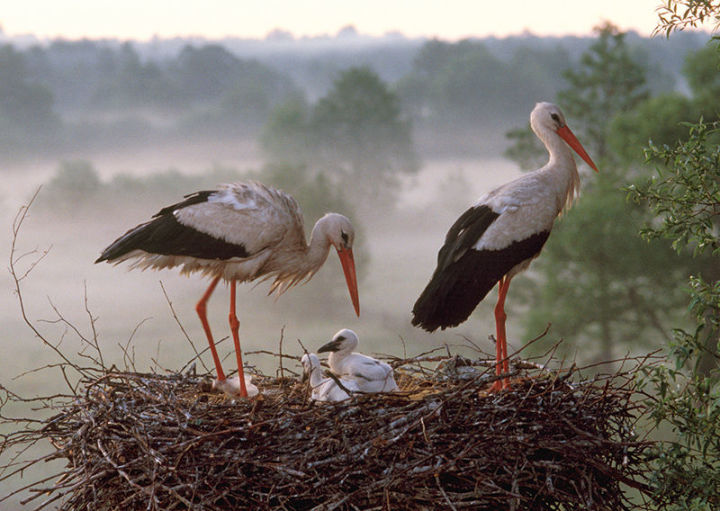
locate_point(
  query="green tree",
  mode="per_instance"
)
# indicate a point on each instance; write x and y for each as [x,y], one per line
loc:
[75,183]
[660,118]
[600,284]
[701,69]
[606,82]
[285,138]
[465,83]
[359,130]
[355,135]
[131,83]
[684,193]
[27,119]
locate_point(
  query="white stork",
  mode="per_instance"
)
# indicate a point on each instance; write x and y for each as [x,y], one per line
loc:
[501,234]
[239,232]
[370,374]
[233,388]
[324,388]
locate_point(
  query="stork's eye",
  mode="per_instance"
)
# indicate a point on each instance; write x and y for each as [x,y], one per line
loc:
[555,117]
[340,338]
[344,237]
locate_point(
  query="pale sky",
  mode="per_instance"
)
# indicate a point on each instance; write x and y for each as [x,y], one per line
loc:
[446,19]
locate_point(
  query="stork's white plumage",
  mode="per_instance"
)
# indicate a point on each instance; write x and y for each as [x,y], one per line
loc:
[239,232]
[501,234]
[370,374]
[233,388]
[323,387]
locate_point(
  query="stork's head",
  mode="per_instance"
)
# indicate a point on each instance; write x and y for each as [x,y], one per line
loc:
[345,340]
[340,233]
[547,118]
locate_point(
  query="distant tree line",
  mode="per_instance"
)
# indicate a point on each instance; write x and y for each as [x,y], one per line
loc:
[94,93]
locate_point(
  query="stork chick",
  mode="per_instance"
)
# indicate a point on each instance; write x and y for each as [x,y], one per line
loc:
[368,373]
[324,388]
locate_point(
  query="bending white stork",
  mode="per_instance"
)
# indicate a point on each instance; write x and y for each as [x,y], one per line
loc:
[501,234]
[370,374]
[324,388]
[239,232]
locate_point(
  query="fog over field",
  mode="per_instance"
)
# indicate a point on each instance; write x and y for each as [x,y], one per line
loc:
[400,251]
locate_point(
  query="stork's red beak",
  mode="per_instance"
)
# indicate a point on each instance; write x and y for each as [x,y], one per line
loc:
[573,142]
[348,266]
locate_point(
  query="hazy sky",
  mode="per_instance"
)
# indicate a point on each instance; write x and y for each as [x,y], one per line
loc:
[447,19]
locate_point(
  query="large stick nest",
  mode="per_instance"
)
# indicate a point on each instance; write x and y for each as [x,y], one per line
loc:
[150,441]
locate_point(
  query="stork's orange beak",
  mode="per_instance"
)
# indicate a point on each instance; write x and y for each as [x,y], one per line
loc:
[348,266]
[573,142]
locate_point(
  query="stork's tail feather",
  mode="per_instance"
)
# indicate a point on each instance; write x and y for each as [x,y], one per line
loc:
[128,242]
[450,298]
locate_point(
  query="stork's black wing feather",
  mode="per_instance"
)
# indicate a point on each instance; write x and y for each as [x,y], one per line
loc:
[190,199]
[164,235]
[464,275]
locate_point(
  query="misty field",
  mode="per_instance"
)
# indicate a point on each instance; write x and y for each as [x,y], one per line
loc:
[395,263]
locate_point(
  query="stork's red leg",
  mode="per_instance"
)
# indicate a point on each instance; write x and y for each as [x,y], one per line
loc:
[234,327]
[502,366]
[201,309]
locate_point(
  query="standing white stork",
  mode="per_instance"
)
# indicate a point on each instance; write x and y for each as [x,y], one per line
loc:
[370,374]
[501,234]
[239,232]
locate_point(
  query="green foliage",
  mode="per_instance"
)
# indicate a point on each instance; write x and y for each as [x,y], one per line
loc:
[358,126]
[685,195]
[128,82]
[659,119]
[702,69]
[466,83]
[686,190]
[606,82]
[355,135]
[77,177]
[677,15]
[74,184]
[285,137]
[27,118]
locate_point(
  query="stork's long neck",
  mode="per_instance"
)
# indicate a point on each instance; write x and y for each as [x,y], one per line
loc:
[561,168]
[333,361]
[316,376]
[302,262]
[318,248]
